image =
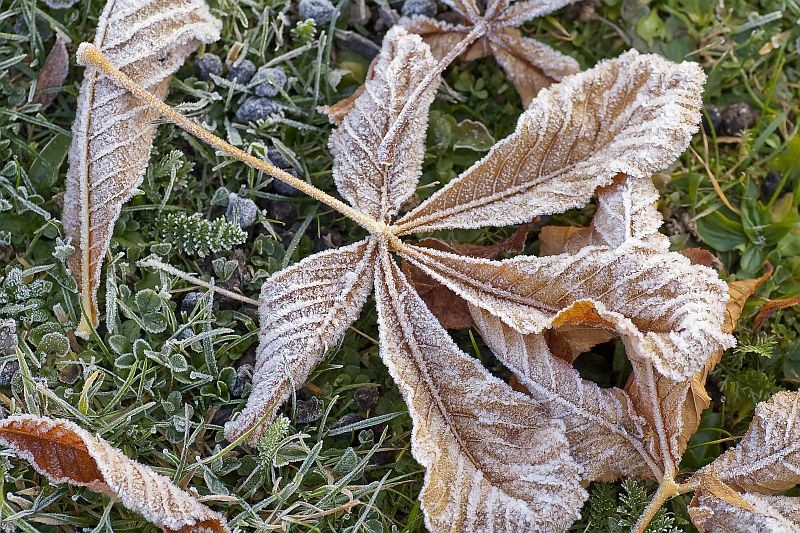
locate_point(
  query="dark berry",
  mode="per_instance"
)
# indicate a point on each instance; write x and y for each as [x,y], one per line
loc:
[321,11]
[328,240]
[736,118]
[712,118]
[8,336]
[241,72]
[426,8]
[241,211]
[770,184]
[269,81]
[367,398]
[288,234]
[244,376]
[281,211]
[206,65]
[278,159]
[190,301]
[357,44]
[346,420]
[222,415]
[307,411]
[254,109]
[7,371]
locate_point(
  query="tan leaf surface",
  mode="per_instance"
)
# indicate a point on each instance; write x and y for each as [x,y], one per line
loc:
[669,311]
[113,131]
[305,310]
[605,434]
[374,187]
[767,459]
[451,310]
[632,115]
[766,514]
[53,73]
[529,64]
[65,453]
[493,460]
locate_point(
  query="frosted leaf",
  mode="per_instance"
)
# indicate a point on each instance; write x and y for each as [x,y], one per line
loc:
[767,459]
[757,514]
[375,186]
[113,131]
[529,64]
[625,210]
[632,115]
[605,434]
[670,311]
[65,453]
[493,460]
[305,310]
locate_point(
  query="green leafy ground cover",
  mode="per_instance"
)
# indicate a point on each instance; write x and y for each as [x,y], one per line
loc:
[169,364]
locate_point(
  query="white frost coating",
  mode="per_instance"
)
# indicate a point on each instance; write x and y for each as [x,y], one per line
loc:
[494,461]
[669,310]
[137,486]
[113,131]
[305,310]
[770,514]
[767,459]
[632,115]
[605,434]
[374,188]
[529,64]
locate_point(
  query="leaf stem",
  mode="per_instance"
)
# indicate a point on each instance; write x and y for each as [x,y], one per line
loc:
[169,269]
[88,55]
[667,489]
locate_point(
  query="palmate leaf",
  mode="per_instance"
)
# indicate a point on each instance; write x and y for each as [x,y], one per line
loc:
[66,453]
[494,463]
[113,131]
[632,115]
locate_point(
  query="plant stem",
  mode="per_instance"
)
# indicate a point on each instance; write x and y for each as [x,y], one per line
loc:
[169,269]
[667,488]
[88,55]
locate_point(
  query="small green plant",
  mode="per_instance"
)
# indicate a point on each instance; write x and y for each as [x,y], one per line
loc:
[193,234]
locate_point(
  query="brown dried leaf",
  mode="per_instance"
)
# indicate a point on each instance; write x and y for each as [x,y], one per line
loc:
[113,131]
[605,434]
[493,461]
[767,459]
[451,310]
[631,115]
[669,311]
[53,73]
[760,514]
[374,186]
[65,453]
[305,310]
[769,308]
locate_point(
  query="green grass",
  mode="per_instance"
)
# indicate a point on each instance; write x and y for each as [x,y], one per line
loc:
[162,397]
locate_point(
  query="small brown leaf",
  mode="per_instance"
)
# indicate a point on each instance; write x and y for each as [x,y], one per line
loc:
[771,307]
[65,453]
[53,73]
[755,514]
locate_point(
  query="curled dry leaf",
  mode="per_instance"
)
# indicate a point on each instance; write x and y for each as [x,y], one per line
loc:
[492,463]
[113,131]
[769,308]
[65,453]
[53,73]
[632,115]
[305,310]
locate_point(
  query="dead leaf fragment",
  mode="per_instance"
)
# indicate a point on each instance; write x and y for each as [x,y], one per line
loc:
[113,131]
[575,137]
[757,514]
[769,308]
[65,453]
[494,461]
[53,73]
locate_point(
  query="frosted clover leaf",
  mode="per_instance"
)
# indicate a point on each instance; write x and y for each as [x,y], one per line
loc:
[495,459]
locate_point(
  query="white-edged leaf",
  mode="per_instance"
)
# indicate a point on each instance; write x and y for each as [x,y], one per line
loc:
[632,115]
[305,310]
[148,40]
[65,453]
[374,186]
[761,514]
[494,461]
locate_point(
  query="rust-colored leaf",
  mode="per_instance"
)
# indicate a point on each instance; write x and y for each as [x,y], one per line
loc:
[53,73]
[65,453]
[769,308]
